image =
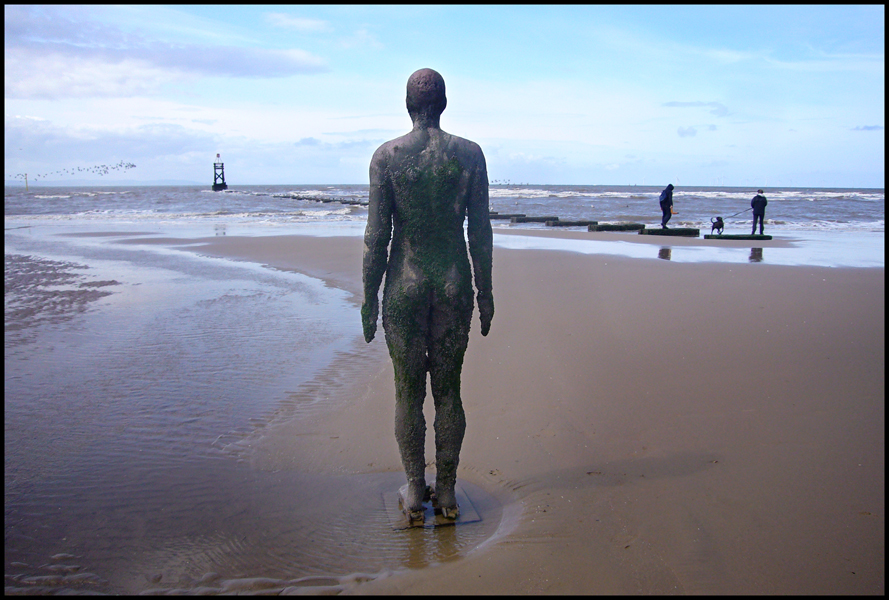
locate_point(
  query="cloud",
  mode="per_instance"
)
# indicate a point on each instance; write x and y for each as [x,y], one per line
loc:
[687,131]
[717,109]
[362,38]
[238,62]
[71,24]
[173,151]
[312,144]
[58,55]
[71,62]
[729,56]
[300,24]
[868,128]
[376,133]
[849,63]
[67,146]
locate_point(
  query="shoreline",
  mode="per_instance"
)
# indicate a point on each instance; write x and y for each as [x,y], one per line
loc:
[797,248]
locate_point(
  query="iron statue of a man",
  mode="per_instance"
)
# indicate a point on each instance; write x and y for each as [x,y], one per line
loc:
[423,185]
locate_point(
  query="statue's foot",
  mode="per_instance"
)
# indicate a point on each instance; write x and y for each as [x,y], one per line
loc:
[445,497]
[412,501]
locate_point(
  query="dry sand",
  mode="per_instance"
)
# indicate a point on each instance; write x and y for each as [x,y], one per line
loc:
[647,426]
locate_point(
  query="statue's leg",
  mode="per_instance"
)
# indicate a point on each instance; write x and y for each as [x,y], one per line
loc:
[406,341]
[449,335]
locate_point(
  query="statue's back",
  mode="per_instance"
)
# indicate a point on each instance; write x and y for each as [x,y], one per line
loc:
[430,176]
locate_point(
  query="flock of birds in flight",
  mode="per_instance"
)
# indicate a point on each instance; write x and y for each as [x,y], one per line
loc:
[97,170]
[505,182]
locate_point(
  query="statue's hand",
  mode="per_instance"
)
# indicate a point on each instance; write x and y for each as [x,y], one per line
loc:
[369,312]
[485,310]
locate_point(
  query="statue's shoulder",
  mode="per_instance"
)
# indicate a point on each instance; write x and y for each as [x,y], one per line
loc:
[464,147]
[386,149]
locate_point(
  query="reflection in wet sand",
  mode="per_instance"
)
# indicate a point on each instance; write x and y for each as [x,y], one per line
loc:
[756,255]
[665,253]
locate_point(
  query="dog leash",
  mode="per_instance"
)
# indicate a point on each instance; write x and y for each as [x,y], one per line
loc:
[738,213]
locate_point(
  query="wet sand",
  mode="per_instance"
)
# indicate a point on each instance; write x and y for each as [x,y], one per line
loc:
[644,426]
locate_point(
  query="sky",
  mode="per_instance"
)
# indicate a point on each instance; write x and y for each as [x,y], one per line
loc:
[753,96]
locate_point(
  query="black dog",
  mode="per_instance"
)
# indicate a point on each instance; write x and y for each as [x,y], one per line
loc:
[718,225]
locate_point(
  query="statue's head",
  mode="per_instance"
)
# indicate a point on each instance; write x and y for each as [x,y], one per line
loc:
[426,94]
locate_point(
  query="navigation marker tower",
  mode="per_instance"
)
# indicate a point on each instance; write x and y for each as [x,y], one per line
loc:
[219,175]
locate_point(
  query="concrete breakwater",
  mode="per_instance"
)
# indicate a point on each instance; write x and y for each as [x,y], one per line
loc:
[675,232]
[558,223]
[554,221]
[737,236]
[523,219]
[616,227]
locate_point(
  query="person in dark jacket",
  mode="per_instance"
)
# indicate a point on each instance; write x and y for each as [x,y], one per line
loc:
[666,205]
[759,210]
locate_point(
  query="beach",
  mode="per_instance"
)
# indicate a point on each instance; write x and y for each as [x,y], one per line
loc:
[644,427]
[212,421]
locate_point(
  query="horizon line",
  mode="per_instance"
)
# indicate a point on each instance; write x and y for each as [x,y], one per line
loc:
[173,182]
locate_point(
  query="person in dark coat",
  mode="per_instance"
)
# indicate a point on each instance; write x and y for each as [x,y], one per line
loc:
[666,205]
[759,210]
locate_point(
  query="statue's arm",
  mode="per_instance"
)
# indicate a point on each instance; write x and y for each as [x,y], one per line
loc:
[481,241]
[376,243]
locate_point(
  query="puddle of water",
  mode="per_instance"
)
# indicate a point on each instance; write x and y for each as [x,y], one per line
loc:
[835,249]
[121,474]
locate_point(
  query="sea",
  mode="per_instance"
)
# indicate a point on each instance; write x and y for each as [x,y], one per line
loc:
[790,209]
[828,226]
[139,377]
